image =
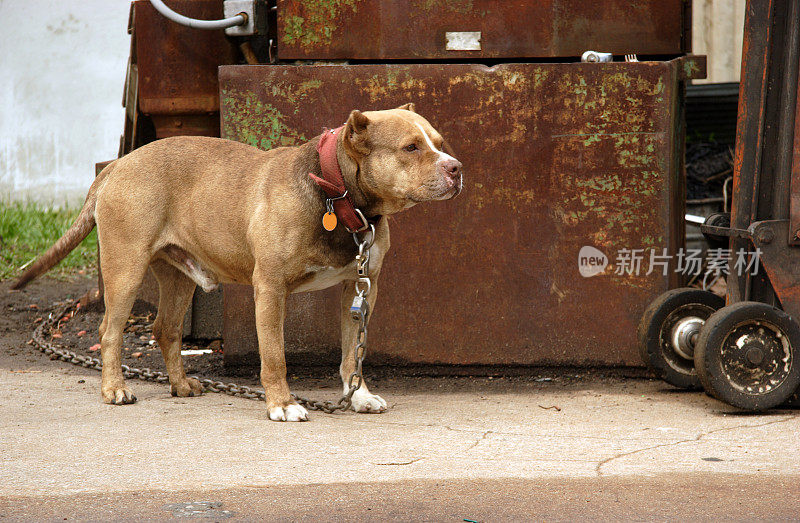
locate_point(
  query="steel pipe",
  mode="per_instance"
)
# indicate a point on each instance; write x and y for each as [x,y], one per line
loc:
[165,11]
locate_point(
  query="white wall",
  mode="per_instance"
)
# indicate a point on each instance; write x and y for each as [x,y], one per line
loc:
[717,31]
[62,70]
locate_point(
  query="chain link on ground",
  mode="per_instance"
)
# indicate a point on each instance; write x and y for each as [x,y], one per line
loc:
[54,319]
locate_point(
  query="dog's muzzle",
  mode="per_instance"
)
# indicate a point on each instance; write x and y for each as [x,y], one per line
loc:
[450,170]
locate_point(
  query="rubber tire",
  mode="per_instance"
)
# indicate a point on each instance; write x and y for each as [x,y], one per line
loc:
[793,402]
[650,327]
[707,354]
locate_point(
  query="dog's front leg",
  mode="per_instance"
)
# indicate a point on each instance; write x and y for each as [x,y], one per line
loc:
[363,400]
[270,301]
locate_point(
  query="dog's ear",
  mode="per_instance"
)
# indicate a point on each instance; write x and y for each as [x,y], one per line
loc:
[408,107]
[356,141]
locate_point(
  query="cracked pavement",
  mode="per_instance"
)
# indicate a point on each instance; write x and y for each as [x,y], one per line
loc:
[61,446]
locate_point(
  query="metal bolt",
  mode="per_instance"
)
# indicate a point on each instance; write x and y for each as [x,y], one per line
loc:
[754,355]
[764,235]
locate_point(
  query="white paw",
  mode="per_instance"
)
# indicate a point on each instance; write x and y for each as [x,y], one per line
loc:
[363,401]
[291,412]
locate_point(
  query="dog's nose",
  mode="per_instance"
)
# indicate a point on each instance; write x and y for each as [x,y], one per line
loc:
[451,167]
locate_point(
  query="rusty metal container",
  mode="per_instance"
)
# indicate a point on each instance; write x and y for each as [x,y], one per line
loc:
[557,156]
[176,67]
[477,29]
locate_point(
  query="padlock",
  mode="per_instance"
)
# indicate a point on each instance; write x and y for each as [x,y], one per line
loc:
[360,308]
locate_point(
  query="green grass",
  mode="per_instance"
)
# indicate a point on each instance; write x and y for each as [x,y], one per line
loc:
[27,230]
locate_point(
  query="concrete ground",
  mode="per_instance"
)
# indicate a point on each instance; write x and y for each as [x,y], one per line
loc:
[480,451]
[557,447]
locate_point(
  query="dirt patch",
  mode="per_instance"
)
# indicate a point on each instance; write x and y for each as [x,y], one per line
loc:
[23,310]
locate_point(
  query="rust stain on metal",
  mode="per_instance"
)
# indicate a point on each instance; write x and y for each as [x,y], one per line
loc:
[794,184]
[455,6]
[776,256]
[557,157]
[257,123]
[403,29]
[312,23]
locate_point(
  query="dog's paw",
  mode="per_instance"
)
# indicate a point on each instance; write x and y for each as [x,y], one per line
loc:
[187,388]
[365,402]
[292,412]
[118,395]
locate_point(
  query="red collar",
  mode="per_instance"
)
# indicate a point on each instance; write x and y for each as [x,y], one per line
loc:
[332,182]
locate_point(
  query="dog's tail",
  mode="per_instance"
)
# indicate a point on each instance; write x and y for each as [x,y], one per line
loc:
[79,230]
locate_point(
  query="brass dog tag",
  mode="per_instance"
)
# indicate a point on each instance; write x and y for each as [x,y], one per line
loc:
[329,221]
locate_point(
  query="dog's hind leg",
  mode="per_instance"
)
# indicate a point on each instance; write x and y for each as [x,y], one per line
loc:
[175,291]
[121,279]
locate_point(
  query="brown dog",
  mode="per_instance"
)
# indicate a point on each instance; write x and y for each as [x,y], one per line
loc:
[203,211]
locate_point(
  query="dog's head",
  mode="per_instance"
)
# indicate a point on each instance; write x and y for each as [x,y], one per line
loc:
[400,159]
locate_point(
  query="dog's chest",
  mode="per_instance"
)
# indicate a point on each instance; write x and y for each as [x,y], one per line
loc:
[320,277]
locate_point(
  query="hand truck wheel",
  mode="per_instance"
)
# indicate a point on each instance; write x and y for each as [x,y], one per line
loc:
[668,331]
[748,355]
[793,402]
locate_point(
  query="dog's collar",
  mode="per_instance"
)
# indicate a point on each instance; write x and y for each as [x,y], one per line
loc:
[332,182]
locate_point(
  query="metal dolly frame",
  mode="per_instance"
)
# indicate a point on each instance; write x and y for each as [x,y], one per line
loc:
[745,350]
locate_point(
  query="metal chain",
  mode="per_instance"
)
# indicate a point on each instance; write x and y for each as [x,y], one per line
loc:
[359,311]
[360,314]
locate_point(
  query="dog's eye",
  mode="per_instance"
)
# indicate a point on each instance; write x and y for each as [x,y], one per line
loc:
[410,147]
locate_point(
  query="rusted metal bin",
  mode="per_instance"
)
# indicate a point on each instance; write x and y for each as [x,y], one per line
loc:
[557,156]
[476,29]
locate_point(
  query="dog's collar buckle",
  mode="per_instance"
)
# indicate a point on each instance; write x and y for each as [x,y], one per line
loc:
[363,220]
[329,201]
